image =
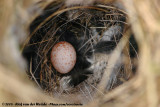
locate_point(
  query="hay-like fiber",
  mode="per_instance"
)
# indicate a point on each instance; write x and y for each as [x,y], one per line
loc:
[142,90]
[49,78]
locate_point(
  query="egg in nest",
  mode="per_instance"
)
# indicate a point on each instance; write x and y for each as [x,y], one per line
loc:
[63,57]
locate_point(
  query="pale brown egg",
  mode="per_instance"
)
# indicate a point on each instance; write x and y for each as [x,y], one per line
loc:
[63,57]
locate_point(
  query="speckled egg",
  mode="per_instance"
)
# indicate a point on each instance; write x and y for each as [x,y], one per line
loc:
[63,57]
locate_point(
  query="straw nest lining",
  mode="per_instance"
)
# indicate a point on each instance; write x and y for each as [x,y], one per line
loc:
[141,91]
[55,23]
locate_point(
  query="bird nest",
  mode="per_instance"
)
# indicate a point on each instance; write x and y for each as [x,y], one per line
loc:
[137,81]
[82,26]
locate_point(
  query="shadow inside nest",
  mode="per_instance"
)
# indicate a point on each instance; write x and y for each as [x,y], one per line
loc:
[94,32]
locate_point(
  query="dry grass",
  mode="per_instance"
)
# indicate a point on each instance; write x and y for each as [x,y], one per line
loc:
[48,82]
[141,91]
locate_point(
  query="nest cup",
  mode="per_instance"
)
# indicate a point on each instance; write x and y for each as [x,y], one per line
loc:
[59,23]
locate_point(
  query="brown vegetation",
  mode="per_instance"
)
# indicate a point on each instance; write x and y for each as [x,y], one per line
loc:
[141,91]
